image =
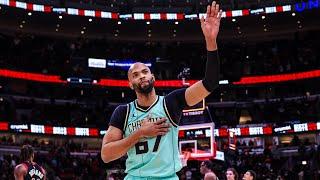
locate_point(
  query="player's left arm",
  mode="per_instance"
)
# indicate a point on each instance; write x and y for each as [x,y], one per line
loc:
[210,28]
[19,172]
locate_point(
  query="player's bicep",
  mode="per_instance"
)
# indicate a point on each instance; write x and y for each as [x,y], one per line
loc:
[112,134]
[196,93]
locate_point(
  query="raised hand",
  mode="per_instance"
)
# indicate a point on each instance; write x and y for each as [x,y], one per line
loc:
[210,25]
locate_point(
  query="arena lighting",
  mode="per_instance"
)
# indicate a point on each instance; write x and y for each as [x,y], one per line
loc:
[29,13]
[234,20]
[176,22]
[119,22]
[123,64]
[60,17]
[311,4]
[254,130]
[31,76]
[90,19]
[163,83]
[278,78]
[148,22]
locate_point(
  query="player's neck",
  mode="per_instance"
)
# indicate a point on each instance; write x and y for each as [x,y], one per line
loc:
[146,99]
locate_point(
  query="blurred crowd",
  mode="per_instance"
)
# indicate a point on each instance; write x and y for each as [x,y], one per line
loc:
[61,164]
[66,57]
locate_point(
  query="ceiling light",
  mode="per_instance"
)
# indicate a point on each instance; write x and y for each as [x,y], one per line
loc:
[90,20]
[148,22]
[29,13]
[60,17]
[119,22]
[234,20]
[263,17]
[176,22]
[293,14]
[82,32]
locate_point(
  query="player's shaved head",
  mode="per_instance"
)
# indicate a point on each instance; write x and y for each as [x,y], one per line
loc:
[135,66]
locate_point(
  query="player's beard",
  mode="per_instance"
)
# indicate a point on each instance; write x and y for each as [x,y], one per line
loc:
[145,89]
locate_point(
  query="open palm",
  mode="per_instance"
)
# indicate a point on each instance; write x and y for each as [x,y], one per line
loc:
[210,25]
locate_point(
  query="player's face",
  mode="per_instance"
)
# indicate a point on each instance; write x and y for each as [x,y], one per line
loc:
[230,175]
[140,78]
[247,176]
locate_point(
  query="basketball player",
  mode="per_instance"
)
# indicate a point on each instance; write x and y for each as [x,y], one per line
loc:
[147,128]
[28,170]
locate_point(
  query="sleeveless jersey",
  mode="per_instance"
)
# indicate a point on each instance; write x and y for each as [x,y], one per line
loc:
[152,158]
[34,171]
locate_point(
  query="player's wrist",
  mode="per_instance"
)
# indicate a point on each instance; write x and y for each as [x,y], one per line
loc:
[211,45]
[139,134]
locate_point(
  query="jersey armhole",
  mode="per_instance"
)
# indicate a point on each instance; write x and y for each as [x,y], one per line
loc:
[167,113]
[126,119]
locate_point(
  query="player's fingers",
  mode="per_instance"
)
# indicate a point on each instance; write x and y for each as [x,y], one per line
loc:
[202,20]
[213,9]
[216,11]
[220,14]
[208,11]
[164,125]
[163,132]
[160,121]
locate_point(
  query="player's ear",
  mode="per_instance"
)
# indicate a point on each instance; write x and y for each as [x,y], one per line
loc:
[154,78]
[131,86]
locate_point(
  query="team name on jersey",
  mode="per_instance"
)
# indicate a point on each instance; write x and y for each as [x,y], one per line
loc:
[137,124]
[36,172]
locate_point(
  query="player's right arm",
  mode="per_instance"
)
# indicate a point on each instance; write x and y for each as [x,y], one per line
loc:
[115,146]
[19,172]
